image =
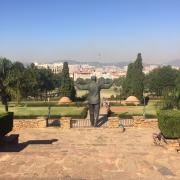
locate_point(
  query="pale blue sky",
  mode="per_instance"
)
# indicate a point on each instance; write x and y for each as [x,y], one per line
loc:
[95,30]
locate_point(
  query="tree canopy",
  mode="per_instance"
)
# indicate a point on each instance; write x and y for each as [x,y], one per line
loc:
[67,84]
[134,79]
[161,79]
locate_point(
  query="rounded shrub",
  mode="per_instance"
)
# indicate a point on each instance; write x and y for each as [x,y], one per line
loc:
[169,123]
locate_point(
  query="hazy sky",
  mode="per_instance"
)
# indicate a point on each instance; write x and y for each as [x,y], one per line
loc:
[90,30]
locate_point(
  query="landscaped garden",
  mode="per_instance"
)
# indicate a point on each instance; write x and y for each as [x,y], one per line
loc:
[35,109]
[124,111]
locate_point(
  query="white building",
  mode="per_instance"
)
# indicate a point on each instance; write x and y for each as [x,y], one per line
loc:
[55,67]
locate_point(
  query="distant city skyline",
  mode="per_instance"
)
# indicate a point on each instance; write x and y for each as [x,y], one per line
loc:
[90,30]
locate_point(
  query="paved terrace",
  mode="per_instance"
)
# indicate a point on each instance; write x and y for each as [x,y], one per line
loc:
[77,154]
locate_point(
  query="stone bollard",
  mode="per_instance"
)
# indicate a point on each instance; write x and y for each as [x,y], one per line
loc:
[113,122]
[138,121]
[65,122]
[41,122]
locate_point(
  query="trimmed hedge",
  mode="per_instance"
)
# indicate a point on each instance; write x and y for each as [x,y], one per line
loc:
[82,115]
[125,115]
[130,116]
[120,104]
[6,123]
[52,104]
[169,123]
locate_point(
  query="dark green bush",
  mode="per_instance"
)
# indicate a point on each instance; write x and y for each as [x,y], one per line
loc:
[119,104]
[6,123]
[52,104]
[169,123]
[116,104]
[80,116]
[130,116]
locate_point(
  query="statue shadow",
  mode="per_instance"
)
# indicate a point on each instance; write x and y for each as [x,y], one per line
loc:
[17,147]
[102,120]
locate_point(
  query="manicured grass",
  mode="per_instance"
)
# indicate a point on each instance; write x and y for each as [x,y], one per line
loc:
[20,111]
[106,93]
[128,111]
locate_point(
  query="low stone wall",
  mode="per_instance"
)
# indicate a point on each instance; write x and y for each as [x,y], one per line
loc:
[65,122]
[148,123]
[113,122]
[172,144]
[137,121]
[29,123]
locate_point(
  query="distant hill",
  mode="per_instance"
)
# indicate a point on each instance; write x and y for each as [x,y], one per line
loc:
[175,62]
[97,64]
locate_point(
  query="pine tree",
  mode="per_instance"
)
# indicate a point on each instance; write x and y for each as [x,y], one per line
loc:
[128,83]
[67,85]
[138,78]
[134,79]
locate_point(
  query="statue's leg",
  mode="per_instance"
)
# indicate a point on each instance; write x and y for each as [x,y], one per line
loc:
[96,114]
[91,113]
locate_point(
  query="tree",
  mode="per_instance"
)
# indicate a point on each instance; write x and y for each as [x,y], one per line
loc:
[134,79]
[127,89]
[30,82]
[138,78]
[5,68]
[161,79]
[177,81]
[16,80]
[44,81]
[119,84]
[67,84]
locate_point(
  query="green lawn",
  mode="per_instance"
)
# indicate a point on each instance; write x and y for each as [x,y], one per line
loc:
[106,93]
[20,111]
[128,111]
[125,111]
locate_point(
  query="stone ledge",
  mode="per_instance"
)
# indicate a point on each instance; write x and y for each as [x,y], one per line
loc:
[39,122]
[113,122]
[65,122]
[145,123]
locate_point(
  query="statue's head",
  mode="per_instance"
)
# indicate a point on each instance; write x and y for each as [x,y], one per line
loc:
[93,78]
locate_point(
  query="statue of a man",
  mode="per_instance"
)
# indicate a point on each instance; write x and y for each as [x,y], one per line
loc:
[94,89]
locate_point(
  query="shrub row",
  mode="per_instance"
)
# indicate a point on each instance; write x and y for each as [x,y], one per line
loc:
[169,123]
[119,104]
[130,116]
[52,104]
[82,115]
[6,123]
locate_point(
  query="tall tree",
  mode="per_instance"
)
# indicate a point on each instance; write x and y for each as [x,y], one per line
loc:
[67,84]
[30,82]
[161,79]
[16,80]
[45,81]
[5,68]
[138,78]
[127,89]
[134,79]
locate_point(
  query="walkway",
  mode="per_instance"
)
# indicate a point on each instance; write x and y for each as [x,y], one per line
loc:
[92,154]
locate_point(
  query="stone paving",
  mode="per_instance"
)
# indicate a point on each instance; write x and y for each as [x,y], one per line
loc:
[91,153]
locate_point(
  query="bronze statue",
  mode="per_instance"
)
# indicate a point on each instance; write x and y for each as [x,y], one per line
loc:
[94,89]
